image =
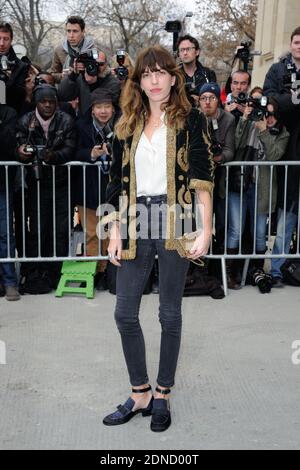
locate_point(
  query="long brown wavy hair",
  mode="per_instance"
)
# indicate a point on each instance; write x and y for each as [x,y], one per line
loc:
[135,104]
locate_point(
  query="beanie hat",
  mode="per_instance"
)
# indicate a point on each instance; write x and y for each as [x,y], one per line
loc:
[101,95]
[44,91]
[211,88]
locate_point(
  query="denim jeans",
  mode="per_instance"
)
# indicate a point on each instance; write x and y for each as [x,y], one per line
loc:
[234,219]
[290,224]
[131,280]
[8,271]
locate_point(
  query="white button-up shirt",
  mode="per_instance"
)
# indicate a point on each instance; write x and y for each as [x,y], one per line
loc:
[151,163]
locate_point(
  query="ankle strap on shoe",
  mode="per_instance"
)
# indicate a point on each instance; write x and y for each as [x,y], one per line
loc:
[165,391]
[141,390]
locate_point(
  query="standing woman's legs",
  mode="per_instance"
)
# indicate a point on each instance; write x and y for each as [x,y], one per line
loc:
[173,271]
[132,277]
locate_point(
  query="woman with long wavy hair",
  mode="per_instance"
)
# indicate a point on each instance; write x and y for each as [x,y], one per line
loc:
[160,157]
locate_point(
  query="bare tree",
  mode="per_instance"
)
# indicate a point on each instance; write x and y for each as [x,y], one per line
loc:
[30,27]
[223,24]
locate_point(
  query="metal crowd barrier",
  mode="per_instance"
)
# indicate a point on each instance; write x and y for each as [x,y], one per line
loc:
[71,255]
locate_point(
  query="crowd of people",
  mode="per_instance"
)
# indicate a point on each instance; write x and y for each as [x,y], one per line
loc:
[69,113]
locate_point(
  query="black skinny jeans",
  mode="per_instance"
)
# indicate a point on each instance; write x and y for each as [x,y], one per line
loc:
[131,280]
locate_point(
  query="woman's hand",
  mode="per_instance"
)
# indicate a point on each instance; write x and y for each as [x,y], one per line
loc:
[247,111]
[115,245]
[97,150]
[201,245]
[261,125]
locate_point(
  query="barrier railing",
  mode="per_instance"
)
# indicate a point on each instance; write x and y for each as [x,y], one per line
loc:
[41,254]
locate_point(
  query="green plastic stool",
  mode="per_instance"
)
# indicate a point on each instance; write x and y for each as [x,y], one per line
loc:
[77,271]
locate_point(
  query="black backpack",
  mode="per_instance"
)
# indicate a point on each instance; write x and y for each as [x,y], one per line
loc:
[291,272]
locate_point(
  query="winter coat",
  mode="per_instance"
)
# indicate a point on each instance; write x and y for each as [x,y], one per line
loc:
[274,86]
[8,120]
[246,150]
[189,167]
[60,57]
[61,140]
[86,141]
[15,85]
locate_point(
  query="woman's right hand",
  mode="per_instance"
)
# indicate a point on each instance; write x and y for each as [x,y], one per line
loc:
[247,111]
[115,245]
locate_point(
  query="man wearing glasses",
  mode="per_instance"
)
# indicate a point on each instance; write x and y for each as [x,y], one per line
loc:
[195,73]
[222,132]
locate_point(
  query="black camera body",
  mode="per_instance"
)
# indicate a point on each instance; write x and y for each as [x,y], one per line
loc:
[244,52]
[121,71]
[102,138]
[291,76]
[216,148]
[260,110]
[5,66]
[242,98]
[89,60]
[38,152]
[39,81]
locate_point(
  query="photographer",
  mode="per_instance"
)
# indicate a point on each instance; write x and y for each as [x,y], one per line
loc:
[195,74]
[282,84]
[45,137]
[96,74]
[76,43]
[259,136]
[222,131]
[237,99]
[95,134]
[12,70]
[8,279]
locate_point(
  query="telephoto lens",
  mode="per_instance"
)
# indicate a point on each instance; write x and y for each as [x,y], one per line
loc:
[263,281]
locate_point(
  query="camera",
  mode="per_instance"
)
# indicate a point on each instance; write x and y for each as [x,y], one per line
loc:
[259,106]
[216,149]
[291,76]
[5,66]
[38,152]
[39,81]
[121,71]
[244,53]
[241,98]
[105,138]
[89,60]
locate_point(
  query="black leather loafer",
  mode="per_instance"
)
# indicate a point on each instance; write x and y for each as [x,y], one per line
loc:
[161,416]
[124,412]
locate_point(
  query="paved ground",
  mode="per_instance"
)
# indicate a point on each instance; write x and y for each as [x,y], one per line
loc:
[236,384]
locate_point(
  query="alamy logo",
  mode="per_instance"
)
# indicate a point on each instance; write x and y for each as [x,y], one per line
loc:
[296,354]
[2,353]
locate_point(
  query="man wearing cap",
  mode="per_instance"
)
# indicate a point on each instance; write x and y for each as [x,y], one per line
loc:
[195,73]
[87,83]
[46,137]
[222,131]
[95,133]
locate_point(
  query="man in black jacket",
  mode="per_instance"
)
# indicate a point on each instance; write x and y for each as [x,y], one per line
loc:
[195,73]
[13,71]
[8,279]
[281,84]
[46,137]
